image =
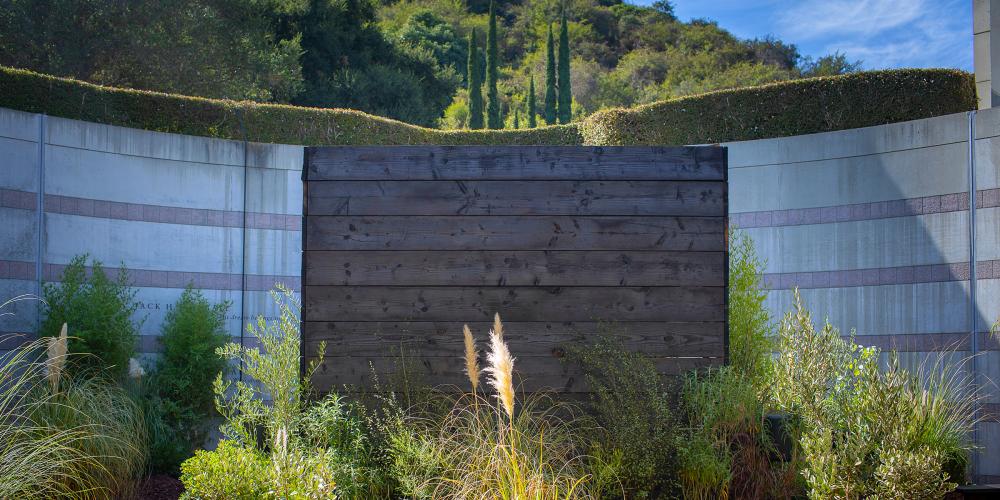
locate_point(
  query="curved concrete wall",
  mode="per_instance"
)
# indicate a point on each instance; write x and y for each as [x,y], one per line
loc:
[223,215]
[872,224]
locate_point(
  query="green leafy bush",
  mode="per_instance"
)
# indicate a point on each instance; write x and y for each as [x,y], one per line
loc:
[179,392]
[99,311]
[230,472]
[775,110]
[751,330]
[636,410]
[866,429]
[308,449]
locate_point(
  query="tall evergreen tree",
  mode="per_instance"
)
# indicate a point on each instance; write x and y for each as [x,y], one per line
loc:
[550,80]
[517,118]
[565,93]
[475,85]
[492,97]
[531,103]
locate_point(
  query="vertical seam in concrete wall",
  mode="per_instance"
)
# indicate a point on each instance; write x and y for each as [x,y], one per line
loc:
[973,305]
[40,208]
[243,232]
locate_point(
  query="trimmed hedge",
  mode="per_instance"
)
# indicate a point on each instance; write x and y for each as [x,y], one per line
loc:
[788,108]
[775,110]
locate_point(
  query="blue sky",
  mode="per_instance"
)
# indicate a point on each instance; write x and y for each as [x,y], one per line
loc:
[881,33]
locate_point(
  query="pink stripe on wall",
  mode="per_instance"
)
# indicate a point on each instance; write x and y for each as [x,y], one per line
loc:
[87,207]
[954,202]
[18,270]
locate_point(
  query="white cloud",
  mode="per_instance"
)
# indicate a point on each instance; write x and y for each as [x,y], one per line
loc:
[884,33]
[820,19]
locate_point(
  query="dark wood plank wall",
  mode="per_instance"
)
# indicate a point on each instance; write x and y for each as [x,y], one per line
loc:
[402,245]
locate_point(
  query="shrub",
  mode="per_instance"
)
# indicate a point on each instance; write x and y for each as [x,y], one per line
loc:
[99,311]
[267,416]
[796,107]
[180,397]
[230,472]
[776,110]
[635,409]
[867,430]
[750,327]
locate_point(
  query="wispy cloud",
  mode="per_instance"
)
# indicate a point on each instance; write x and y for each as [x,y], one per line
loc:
[884,33]
[819,19]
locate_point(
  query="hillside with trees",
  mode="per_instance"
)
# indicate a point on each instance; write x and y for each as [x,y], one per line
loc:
[405,59]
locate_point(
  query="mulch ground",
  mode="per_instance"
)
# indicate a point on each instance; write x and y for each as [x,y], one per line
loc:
[160,487]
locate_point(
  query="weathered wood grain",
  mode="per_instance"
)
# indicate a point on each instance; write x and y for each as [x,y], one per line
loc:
[699,234]
[444,339]
[514,162]
[531,373]
[514,268]
[402,245]
[378,303]
[413,198]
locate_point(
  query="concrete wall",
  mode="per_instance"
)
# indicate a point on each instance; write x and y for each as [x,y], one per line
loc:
[873,226]
[172,209]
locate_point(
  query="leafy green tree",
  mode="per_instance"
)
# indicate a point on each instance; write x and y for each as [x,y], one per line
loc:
[475,85]
[493,120]
[218,48]
[550,80]
[531,103]
[430,32]
[565,88]
[98,310]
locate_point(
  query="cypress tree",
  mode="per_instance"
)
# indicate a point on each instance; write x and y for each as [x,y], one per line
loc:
[493,98]
[531,103]
[517,120]
[550,80]
[565,94]
[475,85]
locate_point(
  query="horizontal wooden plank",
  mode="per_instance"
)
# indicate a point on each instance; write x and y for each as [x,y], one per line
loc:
[373,303]
[515,268]
[444,339]
[531,373]
[515,233]
[514,162]
[414,198]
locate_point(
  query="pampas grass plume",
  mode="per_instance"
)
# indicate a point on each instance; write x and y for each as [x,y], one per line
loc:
[501,368]
[471,358]
[56,358]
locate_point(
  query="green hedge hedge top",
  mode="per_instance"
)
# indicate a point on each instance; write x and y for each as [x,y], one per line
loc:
[775,110]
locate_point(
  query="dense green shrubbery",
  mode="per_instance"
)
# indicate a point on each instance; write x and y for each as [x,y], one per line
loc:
[787,108]
[775,110]
[98,310]
[636,410]
[179,392]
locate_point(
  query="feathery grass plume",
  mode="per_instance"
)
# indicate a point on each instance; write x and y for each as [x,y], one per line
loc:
[471,358]
[497,325]
[501,368]
[56,358]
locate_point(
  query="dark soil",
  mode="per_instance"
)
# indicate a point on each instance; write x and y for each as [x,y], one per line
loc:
[160,487]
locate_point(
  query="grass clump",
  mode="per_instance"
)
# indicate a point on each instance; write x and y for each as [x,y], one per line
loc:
[64,435]
[481,447]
